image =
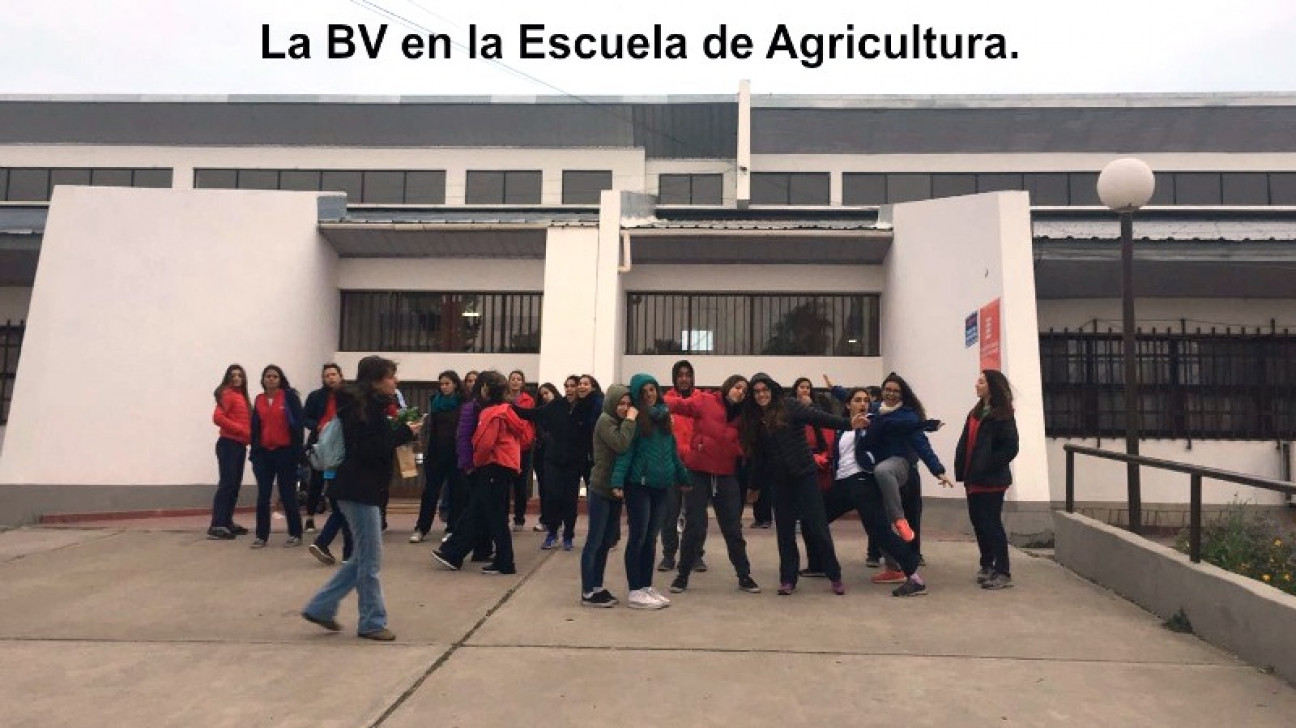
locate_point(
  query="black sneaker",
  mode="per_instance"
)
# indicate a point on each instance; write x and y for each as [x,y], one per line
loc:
[680,584]
[997,581]
[909,588]
[872,563]
[601,598]
[983,575]
[310,525]
[482,558]
[493,569]
[748,584]
[700,566]
[219,533]
[667,563]
[322,553]
[444,561]
[238,530]
[813,573]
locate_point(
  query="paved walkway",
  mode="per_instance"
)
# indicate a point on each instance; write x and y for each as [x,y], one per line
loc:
[150,624]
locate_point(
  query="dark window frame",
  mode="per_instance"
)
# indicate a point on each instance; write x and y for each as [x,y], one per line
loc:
[434,321]
[752,323]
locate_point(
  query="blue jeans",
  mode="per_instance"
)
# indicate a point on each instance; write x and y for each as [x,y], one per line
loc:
[603,531]
[230,457]
[360,573]
[281,466]
[645,510]
[336,523]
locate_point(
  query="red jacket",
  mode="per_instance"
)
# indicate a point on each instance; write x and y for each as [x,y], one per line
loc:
[823,456]
[681,426]
[233,417]
[712,446]
[528,402]
[500,438]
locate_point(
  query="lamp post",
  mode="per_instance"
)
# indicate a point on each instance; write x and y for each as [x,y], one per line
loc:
[1125,185]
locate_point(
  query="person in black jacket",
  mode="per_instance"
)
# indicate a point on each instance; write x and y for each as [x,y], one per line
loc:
[440,464]
[569,438]
[277,427]
[371,435]
[986,447]
[773,433]
[320,407]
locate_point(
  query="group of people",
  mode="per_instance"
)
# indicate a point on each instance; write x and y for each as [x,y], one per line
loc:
[661,455]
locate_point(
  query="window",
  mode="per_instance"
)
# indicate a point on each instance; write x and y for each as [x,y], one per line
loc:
[863,189]
[790,188]
[374,187]
[908,187]
[583,188]
[953,185]
[503,188]
[744,324]
[690,189]
[486,323]
[1191,385]
[29,185]
[1197,188]
[11,338]
[999,182]
[1245,188]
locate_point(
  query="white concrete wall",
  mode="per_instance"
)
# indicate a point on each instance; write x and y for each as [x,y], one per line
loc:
[1104,480]
[949,258]
[440,274]
[14,302]
[425,367]
[567,330]
[711,371]
[141,299]
[608,311]
[1203,313]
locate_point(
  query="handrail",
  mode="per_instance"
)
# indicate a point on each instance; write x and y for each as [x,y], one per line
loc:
[1196,475]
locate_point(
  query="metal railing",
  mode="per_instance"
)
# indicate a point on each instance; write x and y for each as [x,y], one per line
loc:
[1196,475]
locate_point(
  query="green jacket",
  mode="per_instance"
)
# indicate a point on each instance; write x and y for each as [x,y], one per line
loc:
[652,460]
[612,436]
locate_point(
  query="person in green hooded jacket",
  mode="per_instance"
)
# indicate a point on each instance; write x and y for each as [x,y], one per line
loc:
[613,433]
[644,473]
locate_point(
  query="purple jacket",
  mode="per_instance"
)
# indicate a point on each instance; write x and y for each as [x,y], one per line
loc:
[463,438]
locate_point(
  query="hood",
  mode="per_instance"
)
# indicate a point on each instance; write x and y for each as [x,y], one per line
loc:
[675,370]
[636,384]
[775,388]
[614,394]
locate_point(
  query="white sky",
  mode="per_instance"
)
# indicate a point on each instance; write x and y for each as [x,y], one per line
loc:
[214,47]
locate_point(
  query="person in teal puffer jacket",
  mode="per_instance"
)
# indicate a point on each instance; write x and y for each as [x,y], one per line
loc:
[643,474]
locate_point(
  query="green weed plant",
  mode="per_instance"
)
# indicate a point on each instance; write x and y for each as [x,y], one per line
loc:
[1249,544]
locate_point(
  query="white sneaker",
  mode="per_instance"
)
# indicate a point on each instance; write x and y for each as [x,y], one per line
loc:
[416,537]
[641,599]
[652,592]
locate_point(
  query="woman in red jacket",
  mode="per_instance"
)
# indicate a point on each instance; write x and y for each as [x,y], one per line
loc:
[521,488]
[233,416]
[278,426]
[497,445]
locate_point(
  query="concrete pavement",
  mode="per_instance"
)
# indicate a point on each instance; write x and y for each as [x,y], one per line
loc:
[150,624]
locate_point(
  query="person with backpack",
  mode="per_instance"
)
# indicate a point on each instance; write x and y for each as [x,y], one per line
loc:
[320,408]
[233,416]
[370,438]
[324,457]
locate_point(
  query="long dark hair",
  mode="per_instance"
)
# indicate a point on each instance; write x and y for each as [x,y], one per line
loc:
[225,382]
[594,384]
[648,420]
[491,386]
[733,410]
[283,378]
[772,418]
[551,388]
[907,396]
[1001,398]
[370,371]
[453,376]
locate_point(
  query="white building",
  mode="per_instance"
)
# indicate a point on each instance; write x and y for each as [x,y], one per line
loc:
[800,236]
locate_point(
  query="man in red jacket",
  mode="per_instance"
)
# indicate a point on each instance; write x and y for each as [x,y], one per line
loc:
[682,388]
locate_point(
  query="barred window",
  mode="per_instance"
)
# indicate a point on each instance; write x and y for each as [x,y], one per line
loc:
[11,338]
[488,323]
[1191,385]
[746,324]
